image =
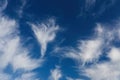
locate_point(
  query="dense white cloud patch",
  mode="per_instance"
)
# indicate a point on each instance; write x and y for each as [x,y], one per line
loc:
[45,33]
[114,54]
[4,76]
[55,74]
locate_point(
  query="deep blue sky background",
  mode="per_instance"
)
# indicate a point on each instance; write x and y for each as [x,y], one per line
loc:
[71,15]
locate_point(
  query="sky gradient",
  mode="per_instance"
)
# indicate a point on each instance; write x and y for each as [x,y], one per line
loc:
[59,40]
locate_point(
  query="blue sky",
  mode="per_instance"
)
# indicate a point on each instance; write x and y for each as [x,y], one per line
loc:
[59,40]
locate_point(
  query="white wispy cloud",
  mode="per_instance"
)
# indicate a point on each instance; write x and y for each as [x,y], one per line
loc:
[55,74]
[45,33]
[7,30]
[109,70]
[13,54]
[10,49]
[23,61]
[102,43]
[88,50]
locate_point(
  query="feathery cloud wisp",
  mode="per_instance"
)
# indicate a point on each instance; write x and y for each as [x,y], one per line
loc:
[102,43]
[45,33]
[88,50]
[13,54]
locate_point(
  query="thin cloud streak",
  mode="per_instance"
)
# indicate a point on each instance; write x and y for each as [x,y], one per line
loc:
[96,8]
[20,10]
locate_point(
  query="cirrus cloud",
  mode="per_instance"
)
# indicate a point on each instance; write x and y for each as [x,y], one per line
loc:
[45,33]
